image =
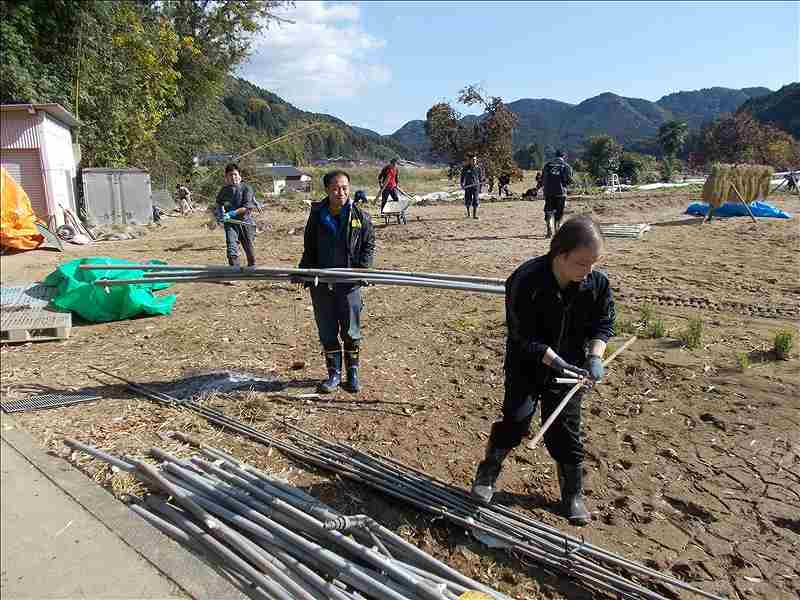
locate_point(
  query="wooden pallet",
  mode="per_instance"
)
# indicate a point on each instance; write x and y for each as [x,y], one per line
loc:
[625,231]
[24,316]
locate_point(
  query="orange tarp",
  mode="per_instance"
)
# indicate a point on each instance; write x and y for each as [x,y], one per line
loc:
[17,219]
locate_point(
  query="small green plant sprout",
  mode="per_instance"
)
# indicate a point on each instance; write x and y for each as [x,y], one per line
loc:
[783,344]
[656,329]
[743,359]
[623,325]
[692,336]
[646,314]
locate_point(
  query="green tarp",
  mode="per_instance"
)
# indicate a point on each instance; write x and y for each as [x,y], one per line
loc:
[78,293]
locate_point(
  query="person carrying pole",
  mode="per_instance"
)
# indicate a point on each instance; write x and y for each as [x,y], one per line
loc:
[235,203]
[556,176]
[471,180]
[559,315]
[389,181]
[338,234]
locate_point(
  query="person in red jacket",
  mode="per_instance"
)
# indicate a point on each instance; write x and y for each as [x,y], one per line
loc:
[389,180]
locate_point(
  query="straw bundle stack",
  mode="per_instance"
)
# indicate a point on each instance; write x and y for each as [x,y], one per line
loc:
[751,181]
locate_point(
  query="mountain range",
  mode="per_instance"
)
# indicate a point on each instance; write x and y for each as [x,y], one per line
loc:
[631,121]
[248,115]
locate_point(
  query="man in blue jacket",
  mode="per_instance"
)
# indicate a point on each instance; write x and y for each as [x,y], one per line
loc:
[556,176]
[338,234]
[559,314]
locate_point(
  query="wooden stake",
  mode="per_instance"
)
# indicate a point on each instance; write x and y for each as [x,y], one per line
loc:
[532,444]
[743,202]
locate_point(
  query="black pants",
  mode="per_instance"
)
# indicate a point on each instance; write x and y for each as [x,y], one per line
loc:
[562,439]
[385,195]
[337,312]
[239,234]
[471,197]
[554,206]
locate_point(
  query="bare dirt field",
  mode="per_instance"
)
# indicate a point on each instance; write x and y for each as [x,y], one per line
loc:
[694,461]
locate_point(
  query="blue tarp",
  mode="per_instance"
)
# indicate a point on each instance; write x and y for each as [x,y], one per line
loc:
[737,209]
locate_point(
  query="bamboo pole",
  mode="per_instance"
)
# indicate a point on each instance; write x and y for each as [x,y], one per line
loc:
[532,444]
[738,195]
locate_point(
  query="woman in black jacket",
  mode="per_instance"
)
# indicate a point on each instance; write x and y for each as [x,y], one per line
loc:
[559,314]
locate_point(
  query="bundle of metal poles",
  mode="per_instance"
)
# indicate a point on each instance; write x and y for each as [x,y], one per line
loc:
[590,565]
[281,542]
[209,273]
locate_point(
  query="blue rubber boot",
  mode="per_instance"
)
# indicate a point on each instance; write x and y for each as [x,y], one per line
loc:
[333,361]
[351,364]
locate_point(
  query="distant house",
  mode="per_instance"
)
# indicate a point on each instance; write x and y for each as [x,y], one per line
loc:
[213,158]
[36,148]
[284,178]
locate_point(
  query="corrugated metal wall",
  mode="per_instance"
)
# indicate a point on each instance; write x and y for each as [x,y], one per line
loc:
[25,167]
[19,129]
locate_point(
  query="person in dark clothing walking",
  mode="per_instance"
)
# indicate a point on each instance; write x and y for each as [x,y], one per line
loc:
[556,176]
[471,180]
[235,202]
[338,234]
[389,180]
[503,182]
[559,315]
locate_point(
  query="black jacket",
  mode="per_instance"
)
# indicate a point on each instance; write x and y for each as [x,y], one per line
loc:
[540,315]
[472,177]
[556,176]
[320,245]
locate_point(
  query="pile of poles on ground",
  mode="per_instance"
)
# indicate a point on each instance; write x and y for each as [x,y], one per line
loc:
[278,541]
[154,273]
[585,563]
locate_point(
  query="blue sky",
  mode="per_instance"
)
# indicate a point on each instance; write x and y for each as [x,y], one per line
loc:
[381,64]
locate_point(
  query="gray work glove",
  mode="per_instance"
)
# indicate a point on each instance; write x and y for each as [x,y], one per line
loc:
[594,364]
[564,368]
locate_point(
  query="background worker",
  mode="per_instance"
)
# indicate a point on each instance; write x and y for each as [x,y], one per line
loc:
[235,202]
[471,180]
[502,185]
[556,176]
[556,307]
[389,181]
[183,198]
[338,234]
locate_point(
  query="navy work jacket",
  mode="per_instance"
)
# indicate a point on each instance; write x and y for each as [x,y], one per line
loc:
[350,245]
[540,315]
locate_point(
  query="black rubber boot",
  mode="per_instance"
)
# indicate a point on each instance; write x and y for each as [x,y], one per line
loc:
[333,360]
[475,212]
[488,471]
[570,478]
[351,364]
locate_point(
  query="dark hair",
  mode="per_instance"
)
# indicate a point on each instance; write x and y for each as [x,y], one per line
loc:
[393,161]
[230,167]
[330,176]
[560,153]
[578,232]
[361,196]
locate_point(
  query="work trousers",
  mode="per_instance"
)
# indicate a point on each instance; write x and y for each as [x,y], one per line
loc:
[337,312]
[471,197]
[239,234]
[385,196]
[563,438]
[554,206]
